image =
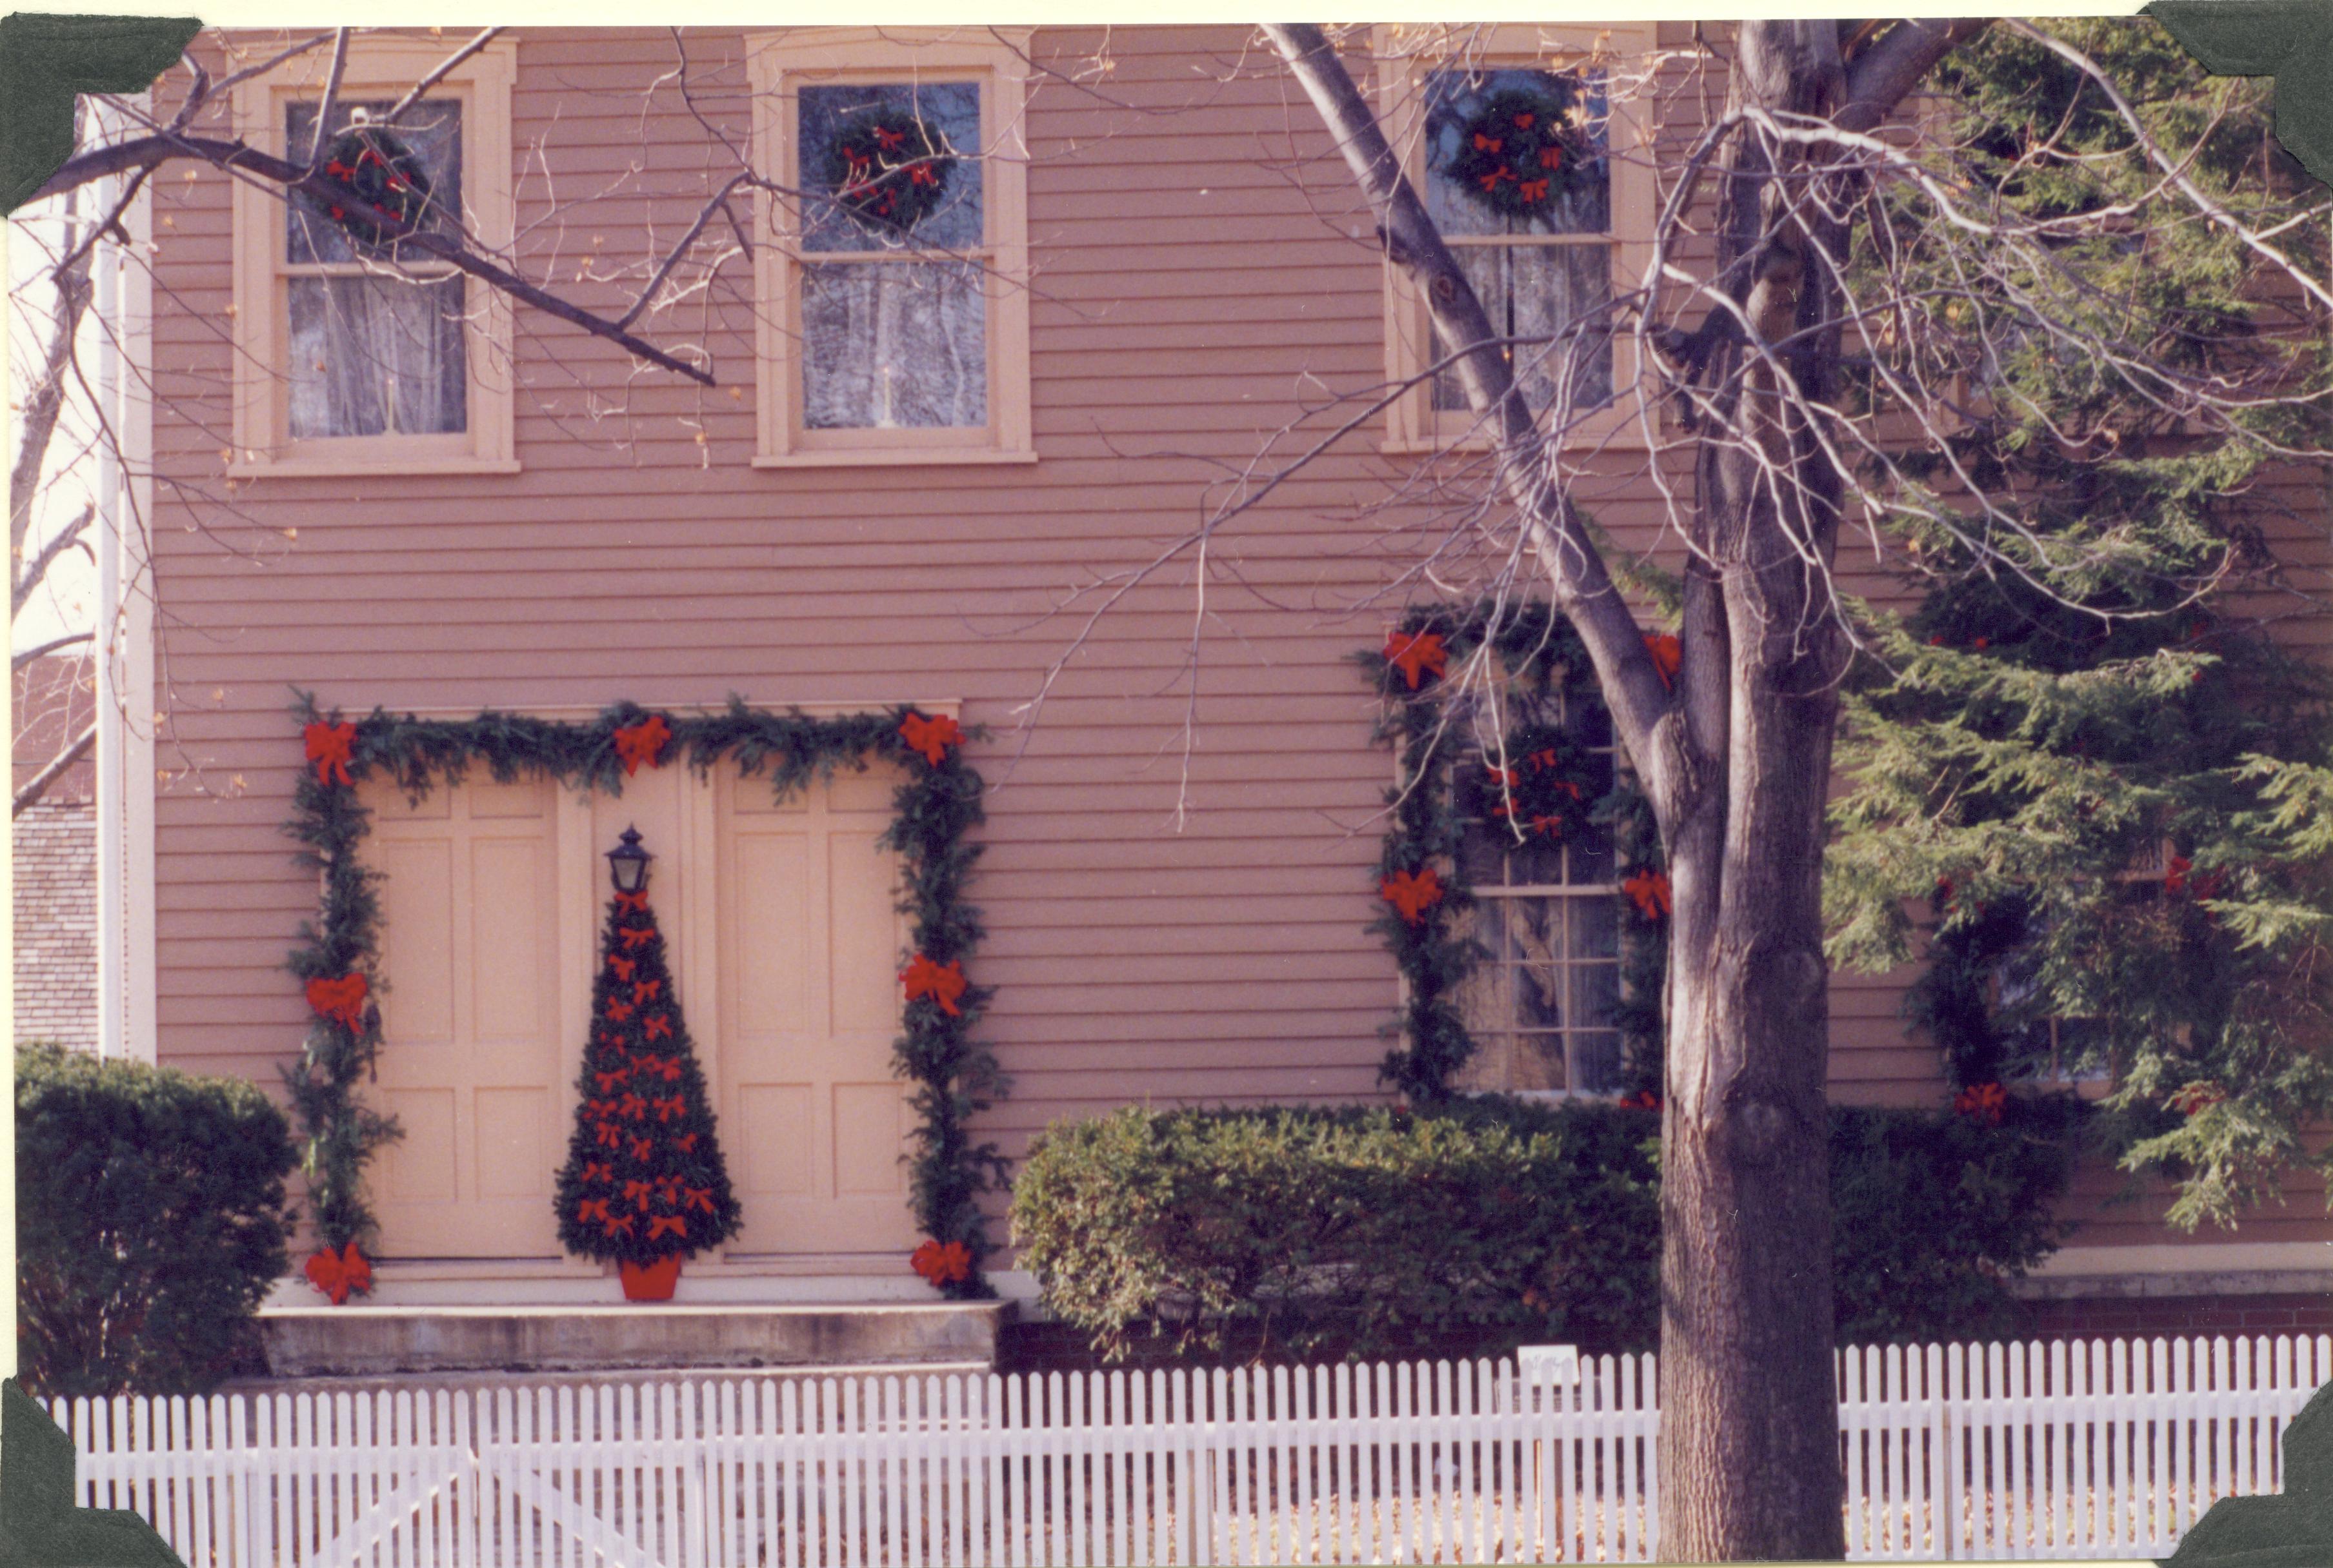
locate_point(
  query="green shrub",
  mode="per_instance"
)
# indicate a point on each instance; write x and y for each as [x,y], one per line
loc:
[150,1220]
[1378,1230]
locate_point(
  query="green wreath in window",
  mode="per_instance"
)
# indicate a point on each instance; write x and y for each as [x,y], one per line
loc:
[386,176]
[888,169]
[1546,787]
[1520,154]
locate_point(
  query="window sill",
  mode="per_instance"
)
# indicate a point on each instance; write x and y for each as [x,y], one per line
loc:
[411,468]
[871,457]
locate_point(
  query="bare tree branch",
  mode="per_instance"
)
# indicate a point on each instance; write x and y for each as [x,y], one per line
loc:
[30,574]
[330,100]
[1880,75]
[37,786]
[19,660]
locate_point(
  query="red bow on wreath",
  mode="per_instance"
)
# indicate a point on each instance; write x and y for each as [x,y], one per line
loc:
[328,749]
[941,982]
[1416,654]
[338,1275]
[942,1265]
[642,742]
[1412,892]
[340,1000]
[1650,889]
[931,736]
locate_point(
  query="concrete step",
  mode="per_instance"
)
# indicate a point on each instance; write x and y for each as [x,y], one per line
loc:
[373,1341]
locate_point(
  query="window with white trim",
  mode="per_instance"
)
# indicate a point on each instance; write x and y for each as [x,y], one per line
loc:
[358,355]
[1541,1003]
[894,310]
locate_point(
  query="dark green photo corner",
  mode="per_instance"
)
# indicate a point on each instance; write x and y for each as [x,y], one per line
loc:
[45,60]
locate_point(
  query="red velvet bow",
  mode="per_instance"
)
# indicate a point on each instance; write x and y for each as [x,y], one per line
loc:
[700,1198]
[932,737]
[648,990]
[941,982]
[609,1136]
[635,1106]
[660,1223]
[632,902]
[591,1208]
[1412,892]
[659,1027]
[622,966]
[340,1275]
[598,1170]
[665,1067]
[635,936]
[671,1106]
[941,1265]
[618,1011]
[642,1148]
[637,1192]
[328,749]
[642,742]
[1417,654]
[607,1081]
[340,1000]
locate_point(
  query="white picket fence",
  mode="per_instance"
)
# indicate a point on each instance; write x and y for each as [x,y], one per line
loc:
[2088,1451]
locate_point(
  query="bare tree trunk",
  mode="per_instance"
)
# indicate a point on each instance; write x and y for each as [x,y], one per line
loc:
[1749,1456]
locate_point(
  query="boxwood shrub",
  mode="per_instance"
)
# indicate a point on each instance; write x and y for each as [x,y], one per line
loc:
[1380,1231]
[150,1219]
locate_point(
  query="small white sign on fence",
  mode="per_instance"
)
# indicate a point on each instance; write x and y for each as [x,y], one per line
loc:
[2093,1450]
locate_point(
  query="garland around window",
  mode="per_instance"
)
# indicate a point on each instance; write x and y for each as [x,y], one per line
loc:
[936,805]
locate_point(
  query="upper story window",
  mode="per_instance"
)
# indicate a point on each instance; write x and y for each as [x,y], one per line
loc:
[1533,163]
[359,354]
[1540,1002]
[893,322]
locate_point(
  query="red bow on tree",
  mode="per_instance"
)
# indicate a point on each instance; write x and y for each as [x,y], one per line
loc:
[340,1000]
[591,1208]
[660,1223]
[339,1274]
[636,1193]
[622,1225]
[642,1148]
[636,936]
[647,990]
[642,742]
[1416,654]
[635,1106]
[671,1106]
[1412,892]
[1650,889]
[622,966]
[943,1264]
[941,982]
[700,1198]
[609,1136]
[618,1011]
[1669,655]
[609,1080]
[665,1067]
[632,902]
[328,749]
[659,1027]
[1534,190]
[931,736]
[599,1107]
[598,1170]
[686,1142]
[1984,1102]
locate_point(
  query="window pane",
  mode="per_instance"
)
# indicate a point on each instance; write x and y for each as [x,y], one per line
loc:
[1462,106]
[431,130]
[373,356]
[834,122]
[894,345]
[1538,1064]
[1530,293]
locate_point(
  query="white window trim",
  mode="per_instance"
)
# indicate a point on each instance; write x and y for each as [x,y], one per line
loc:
[995,59]
[1413,425]
[376,65]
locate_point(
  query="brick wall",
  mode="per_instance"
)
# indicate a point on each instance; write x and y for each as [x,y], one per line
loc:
[56,923]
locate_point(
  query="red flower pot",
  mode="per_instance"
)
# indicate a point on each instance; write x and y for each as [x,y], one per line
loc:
[651,1281]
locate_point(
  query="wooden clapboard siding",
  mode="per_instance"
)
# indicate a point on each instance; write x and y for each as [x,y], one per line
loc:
[1202,262]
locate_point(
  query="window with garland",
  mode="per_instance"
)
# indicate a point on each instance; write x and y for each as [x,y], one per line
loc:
[376,333]
[1519,181]
[1541,1001]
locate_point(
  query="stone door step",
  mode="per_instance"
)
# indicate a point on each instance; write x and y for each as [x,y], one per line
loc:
[358,1341]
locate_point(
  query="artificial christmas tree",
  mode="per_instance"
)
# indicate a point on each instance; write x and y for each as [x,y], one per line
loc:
[644,1182]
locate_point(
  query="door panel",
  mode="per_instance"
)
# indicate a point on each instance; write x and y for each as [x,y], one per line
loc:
[810,950]
[471,1058]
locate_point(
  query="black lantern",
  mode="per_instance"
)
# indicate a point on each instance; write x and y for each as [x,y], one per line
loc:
[628,863]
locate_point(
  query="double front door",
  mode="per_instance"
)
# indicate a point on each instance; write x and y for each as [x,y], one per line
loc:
[778,917]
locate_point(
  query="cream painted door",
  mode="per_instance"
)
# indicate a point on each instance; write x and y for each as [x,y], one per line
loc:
[472,1061]
[812,1119]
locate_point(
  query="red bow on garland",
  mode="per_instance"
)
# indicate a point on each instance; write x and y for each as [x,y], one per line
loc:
[339,1275]
[340,1000]
[943,1264]
[1412,892]
[941,982]
[1416,654]
[1650,889]
[642,742]
[932,737]
[1984,1102]
[328,749]
[1669,655]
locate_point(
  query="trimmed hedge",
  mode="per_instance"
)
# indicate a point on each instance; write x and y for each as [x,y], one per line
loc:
[150,1219]
[1374,1229]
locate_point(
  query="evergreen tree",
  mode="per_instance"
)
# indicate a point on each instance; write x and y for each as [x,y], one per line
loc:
[2083,753]
[644,1178]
